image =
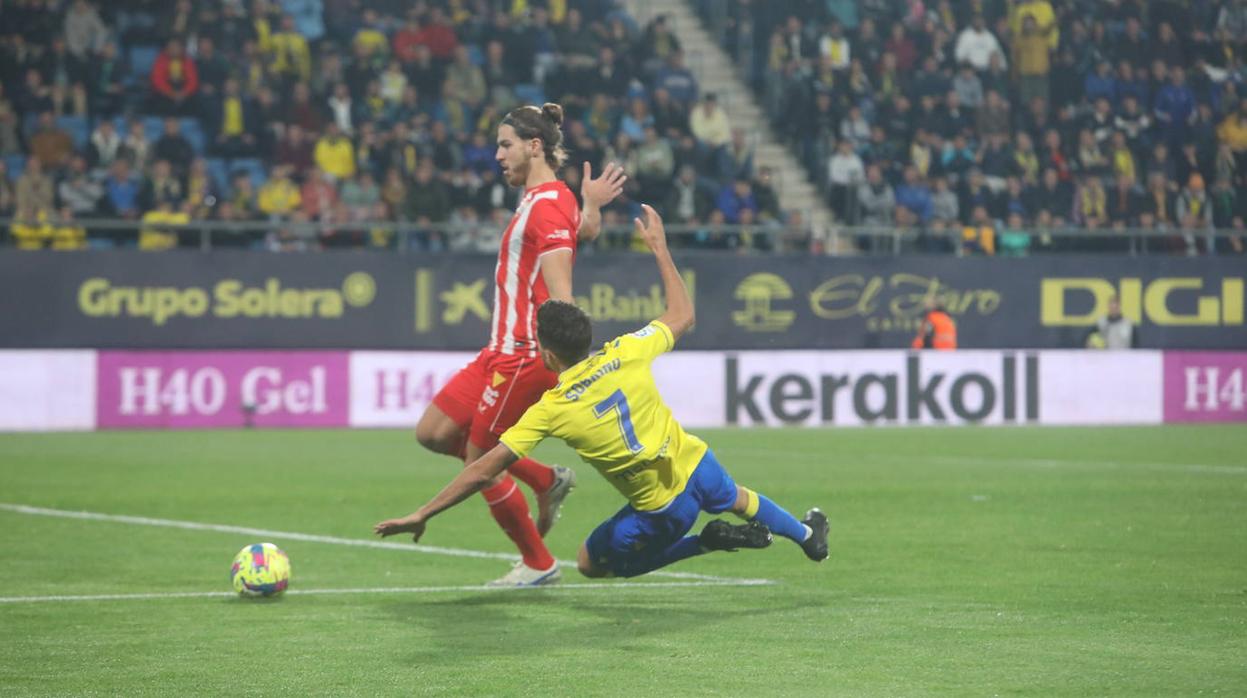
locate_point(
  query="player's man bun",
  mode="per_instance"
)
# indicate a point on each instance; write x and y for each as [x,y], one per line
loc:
[553,112]
[541,122]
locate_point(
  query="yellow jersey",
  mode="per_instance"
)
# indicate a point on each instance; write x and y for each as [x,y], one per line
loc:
[608,409]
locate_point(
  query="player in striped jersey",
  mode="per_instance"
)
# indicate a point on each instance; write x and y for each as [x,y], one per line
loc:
[490,394]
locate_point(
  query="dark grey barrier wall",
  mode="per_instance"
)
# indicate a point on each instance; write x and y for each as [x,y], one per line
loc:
[348,300]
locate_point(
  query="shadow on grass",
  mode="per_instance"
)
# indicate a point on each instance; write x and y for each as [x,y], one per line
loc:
[502,624]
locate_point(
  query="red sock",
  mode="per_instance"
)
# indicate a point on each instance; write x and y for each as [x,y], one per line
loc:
[537,476]
[510,510]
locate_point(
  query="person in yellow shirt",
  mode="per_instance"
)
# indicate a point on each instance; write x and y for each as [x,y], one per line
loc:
[291,57]
[1041,12]
[335,154]
[159,231]
[279,196]
[607,407]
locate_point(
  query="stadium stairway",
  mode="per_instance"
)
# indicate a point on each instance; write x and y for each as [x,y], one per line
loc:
[715,72]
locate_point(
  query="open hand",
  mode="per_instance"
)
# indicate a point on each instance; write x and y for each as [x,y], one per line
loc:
[603,190]
[407,524]
[650,229]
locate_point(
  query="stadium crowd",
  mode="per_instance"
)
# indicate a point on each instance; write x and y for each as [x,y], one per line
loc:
[339,112]
[1006,118]
[942,117]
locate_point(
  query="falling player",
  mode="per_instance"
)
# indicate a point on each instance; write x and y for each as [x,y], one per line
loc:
[534,263]
[607,407]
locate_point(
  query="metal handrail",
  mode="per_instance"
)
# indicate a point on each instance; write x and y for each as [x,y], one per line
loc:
[771,231]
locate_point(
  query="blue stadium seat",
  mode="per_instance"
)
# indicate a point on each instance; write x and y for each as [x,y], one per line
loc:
[194,133]
[77,128]
[254,167]
[153,127]
[16,165]
[476,55]
[142,58]
[528,93]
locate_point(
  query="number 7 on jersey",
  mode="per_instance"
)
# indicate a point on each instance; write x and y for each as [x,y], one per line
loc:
[619,403]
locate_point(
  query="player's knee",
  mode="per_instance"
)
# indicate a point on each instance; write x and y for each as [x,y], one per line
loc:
[586,567]
[438,437]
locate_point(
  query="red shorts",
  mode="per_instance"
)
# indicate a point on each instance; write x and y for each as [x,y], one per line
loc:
[489,395]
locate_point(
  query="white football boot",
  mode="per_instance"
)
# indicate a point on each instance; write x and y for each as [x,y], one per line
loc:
[522,575]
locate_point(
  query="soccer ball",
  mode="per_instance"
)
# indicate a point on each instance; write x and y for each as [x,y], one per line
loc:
[261,569]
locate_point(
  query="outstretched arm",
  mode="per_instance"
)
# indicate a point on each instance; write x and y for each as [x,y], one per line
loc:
[680,316]
[473,479]
[597,193]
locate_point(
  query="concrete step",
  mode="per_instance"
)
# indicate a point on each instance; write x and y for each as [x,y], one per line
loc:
[716,73]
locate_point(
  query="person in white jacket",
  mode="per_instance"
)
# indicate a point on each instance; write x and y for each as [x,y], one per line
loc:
[976,44]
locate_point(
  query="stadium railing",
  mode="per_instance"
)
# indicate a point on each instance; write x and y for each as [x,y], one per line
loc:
[402,237]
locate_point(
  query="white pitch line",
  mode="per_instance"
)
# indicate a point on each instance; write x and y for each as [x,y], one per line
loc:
[603,586]
[312,538]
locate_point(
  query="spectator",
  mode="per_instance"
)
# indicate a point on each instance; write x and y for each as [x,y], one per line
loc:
[766,196]
[979,236]
[1014,240]
[1233,133]
[161,185]
[427,200]
[855,129]
[85,32]
[342,109]
[1175,107]
[279,198]
[1090,203]
[709,123]
[201,193]
[671,117]
[35,194]
[334,153]
[213,68]
[835,48]
[10,143]
[173,146]
[968,88]
[944,207]
[78,191]
[8,194]
[845,172]
[302,112]
[994,118]
[1031,60]
[976,45]
[50,144]
[464,81]
[105,82]
[121,191]
[736,160]
[175,81]
[687,201]
[876,201]
[319,197]
[231,121]
[1158,204]
[1101,83]
[1124,203]
[1194,214]
[914,196]
[291,59]
[655,165]
[736,197]
[677,80]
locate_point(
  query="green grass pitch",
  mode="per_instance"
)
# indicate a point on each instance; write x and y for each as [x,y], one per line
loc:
[1010,561]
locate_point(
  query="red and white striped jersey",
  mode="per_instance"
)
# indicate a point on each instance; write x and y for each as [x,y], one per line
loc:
[547,220]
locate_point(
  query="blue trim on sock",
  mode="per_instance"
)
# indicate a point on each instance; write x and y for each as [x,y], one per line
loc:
[779,521]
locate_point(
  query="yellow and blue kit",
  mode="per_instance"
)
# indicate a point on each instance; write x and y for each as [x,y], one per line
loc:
[609,410]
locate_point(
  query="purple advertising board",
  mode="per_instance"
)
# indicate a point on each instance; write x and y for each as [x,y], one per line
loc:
[1205,386]
[196,389]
